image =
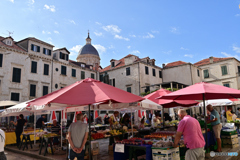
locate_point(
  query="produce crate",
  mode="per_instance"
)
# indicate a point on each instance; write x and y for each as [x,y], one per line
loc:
[229,136]
[226,133]
[230,146]
[165,153]
[94,145]
[230,140]
[95,152]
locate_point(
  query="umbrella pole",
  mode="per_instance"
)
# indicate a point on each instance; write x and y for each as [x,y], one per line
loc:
[34,125]
[205,117]
[162,117]
[89,127]
[61,126]
[132,122]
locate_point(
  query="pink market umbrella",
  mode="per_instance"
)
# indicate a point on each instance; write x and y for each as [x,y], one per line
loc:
[86,92]
[168,103]
[203,91]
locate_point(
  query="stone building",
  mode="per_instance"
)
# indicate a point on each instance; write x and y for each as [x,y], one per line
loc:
[30,68]
[132,74]
[221,71]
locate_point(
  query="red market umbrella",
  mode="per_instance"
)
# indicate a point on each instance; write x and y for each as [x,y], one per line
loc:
[96,114]
[203,91]
[139,114]
[168,103]
[86,92]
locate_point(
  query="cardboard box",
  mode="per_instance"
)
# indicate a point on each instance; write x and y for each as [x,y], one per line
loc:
[229,137]
[110,148]
[230,141]
[95,152]
[230,146]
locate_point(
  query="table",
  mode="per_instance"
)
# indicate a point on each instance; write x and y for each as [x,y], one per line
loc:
[10,137]
[45,141]
[25,140]
[132,151]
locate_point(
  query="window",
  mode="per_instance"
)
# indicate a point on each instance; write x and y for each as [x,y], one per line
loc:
[128,71]
[32,90]
[35,48]
[112,64]
[238,69]
[147,89]
[1,60]
[34,67]
[224,70]
[206,74]
[129,89]
[82,75]
[160,74]
[146,70]
[113,82]
[47,51]
[226,84]
[101,78]
[63,70]
[16,77]
[46,69]
[45,90]
[15,96]
[198,73]
[63,56]
[92,75]
[73,72]
[153,72]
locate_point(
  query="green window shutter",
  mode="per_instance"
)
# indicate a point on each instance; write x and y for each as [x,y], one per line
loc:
[1,59]
[206,74]
[49,52]
[38,49]
[224,70]
[44,50]
[32,47]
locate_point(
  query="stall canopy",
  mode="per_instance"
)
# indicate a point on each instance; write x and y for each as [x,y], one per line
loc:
[7,103]
[166,103]
[85,92]
[219,102]
[203,91]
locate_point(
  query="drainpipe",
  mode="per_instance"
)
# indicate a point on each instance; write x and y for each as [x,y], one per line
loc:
[139,80]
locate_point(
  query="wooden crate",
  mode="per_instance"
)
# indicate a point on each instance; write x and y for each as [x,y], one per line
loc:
[230,146]
[230,141]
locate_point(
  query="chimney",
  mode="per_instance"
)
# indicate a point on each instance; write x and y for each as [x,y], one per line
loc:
[211,59]
[163,65]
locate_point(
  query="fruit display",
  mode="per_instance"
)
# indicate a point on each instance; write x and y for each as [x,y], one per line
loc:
[161,134]
[131,141]
[130,130]
[172,123]
[162,144]
[97,136]
[50,135]
[40,134]
[115,132]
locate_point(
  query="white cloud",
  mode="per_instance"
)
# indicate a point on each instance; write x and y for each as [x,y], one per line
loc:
[155,31]
[98,23]
[237,15]
[31,2]
[74,51]
[188,55]
[120,37]
[135,52]
[134,36]
[56,23]
[167,52]
[174,30]
[11,1]
[149,35]
[184,48]
[101,49]
[229,55]
[236,49]
[56,32]
[98,33]
[114,29]
[50,7]
[128,47]
[72,21]
[46,32]
[111,47]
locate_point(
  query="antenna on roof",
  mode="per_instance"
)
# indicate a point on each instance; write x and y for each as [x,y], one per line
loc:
[9,33]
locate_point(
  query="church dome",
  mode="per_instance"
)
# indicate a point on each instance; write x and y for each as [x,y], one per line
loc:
[88,48]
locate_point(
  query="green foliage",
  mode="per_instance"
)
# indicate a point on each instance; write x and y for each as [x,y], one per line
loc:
[174,89]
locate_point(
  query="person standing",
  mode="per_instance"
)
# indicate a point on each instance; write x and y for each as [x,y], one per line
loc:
[106,119]
[216,125]
[190,128]
[21,122]
[229,114]
[2,144]
[150,116]
[114,119]
[40,122]
[77,137]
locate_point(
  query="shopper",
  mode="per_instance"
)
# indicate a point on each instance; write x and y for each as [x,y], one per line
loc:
[125,120]
[229,114]
[21,122]
[98,120]
[77,137]
[216,125]
[40,122]
[156,120]
[114,119]
[190,128]
[141,125]
[167,117]
[2,144]
[106,119]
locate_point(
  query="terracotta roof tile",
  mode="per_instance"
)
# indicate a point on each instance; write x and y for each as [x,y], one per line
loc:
[207,61]
[173,64]
[14,46]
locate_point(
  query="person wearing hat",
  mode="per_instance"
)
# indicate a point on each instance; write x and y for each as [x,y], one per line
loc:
[21,122]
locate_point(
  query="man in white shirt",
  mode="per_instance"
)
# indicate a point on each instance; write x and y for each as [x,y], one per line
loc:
[2,143]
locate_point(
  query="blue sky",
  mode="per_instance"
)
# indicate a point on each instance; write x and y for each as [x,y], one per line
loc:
[166,30]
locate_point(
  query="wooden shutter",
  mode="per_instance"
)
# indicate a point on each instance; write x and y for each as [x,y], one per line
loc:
[34,67]
[45,90]
[153,71]
[32,90]
[146,70]
[1,59]
[60,55]
[16,77]
[49,52]
[32,47]
[46,69]
[160,74]
[113,82]
[44,50]
[67,57]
